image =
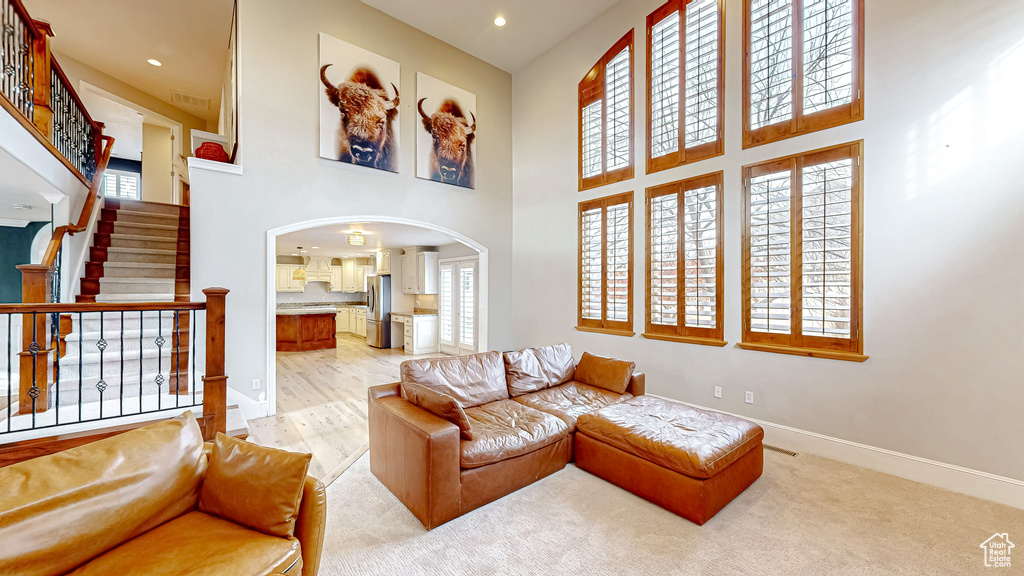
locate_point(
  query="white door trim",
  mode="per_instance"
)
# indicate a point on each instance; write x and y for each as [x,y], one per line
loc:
[270,277]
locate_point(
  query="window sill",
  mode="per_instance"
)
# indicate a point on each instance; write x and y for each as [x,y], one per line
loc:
[811,352]
[613,332]
[686,339]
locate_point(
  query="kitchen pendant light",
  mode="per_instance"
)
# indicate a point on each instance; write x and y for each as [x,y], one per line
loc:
[356,239]
[299,275]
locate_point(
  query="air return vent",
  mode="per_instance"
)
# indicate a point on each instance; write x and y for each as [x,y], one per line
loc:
[189,101]
[779,450]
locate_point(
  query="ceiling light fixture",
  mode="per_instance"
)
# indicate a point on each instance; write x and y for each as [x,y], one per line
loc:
[356,239]
[155,62]
[499,21]
[299,275]
[316,247]
[294,254]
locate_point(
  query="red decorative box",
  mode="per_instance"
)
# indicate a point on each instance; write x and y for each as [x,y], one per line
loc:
[211,151]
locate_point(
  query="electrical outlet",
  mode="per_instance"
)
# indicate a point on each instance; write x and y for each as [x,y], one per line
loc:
[255,383]
[749,397]
[718,391]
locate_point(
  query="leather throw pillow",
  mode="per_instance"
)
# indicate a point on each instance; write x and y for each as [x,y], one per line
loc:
[440,404]
[607,373]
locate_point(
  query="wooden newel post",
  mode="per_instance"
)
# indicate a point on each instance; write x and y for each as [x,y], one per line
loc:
[42,114]
[32,360]
[215,382]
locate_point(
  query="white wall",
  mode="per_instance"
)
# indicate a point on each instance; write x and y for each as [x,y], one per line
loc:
[156,164]
[286,182]
[943,272]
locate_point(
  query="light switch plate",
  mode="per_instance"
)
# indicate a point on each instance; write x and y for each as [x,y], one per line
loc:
[718,391]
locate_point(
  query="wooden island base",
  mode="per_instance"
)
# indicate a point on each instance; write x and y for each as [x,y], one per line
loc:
[303,332]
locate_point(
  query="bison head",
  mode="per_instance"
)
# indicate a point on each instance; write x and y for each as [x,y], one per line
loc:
[452,135]
[366,113]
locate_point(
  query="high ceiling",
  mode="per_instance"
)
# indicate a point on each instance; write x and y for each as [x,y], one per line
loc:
[332,241]
[117,37]
[533,26]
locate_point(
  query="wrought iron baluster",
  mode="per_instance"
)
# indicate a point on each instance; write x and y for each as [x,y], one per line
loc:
[159,356]
[120,390]
[192,356]
[9,362]
[56,366]
[81,350]
[102,345]
[141,330]
[33,349]
[176,345]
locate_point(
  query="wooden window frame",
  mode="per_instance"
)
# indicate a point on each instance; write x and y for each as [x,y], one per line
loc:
[592,89]
[603,325]
[685,155]
[681,332]
[795,342]
[801,123]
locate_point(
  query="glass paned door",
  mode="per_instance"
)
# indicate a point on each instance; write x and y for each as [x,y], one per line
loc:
[457,306]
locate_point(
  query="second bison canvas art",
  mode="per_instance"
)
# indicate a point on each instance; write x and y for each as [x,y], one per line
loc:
[446,133]
[359,105]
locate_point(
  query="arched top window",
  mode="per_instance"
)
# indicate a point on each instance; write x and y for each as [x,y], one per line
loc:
[606,118]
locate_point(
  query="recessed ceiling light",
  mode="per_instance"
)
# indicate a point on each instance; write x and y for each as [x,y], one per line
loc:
[499,21]
[294,254]
[155,62]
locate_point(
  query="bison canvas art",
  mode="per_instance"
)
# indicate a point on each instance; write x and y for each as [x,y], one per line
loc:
[445,133]
[359,105]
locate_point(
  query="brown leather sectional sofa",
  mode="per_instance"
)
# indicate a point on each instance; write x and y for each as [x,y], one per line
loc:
[460,432]
[157,500]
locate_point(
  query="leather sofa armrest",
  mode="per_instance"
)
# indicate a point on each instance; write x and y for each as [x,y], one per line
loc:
[637,384]
[309,527]
[384,390]
[416,455]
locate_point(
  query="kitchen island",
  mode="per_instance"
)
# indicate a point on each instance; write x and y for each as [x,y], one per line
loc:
[304,329]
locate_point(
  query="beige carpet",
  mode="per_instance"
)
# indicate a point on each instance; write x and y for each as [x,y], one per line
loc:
[804,516]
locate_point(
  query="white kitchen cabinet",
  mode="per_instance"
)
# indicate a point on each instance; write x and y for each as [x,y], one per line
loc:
[419,271]
[348,276]
[420,333]
[336,279]
[285,278]
[384,262]
[360,323]
[318,269]
[364,272]
[345,321]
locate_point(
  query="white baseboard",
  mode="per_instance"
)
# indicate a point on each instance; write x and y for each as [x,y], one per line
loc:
[250,408]
[1001,489]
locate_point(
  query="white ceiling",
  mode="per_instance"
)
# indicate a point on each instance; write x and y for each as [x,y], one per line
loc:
[190,38]
[333,240]
[533,27]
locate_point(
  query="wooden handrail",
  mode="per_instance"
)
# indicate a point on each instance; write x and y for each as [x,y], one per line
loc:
[50,256]
[100,307]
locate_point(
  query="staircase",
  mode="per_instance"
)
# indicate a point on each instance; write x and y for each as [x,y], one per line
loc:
[140,253]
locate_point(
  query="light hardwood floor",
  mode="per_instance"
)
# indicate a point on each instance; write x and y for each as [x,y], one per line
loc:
[321,402]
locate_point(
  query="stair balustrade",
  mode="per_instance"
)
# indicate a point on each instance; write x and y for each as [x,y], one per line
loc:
[110,362]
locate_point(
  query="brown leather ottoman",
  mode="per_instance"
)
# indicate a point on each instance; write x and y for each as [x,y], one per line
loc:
[689,461]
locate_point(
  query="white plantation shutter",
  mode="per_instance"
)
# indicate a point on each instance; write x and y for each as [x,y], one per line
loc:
[617,88]
[606,109]
[805,295]
[771,62]
[701,72]
[605,266]
[684,266]
[467,307]
[803,61]
[828,53]
[665,86]
[827,255]
[446,300]
[592,123]
[684,82]
[117,184]
[664,260]
[591,264]
[770,249]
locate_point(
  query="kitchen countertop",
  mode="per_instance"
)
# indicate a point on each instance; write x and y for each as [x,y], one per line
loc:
[330,309]
[417,312]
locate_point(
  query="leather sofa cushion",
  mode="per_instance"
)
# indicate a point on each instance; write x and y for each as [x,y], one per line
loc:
[571,400]
[694,442]
[255,486]
[61,510]
[472,380]
[607,373]
[506,429]
[198,543]
[441,404]
[533,369]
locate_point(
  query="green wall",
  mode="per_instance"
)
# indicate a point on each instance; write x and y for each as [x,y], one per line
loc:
[15,245]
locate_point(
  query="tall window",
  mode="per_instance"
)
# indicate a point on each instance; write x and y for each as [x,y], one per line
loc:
[606,111]
[803,67]
[117,184]
[802,254]
[684,261]
[457,303]
[685,107]
[606,265]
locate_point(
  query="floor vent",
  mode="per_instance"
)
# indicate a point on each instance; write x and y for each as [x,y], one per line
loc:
[779,450]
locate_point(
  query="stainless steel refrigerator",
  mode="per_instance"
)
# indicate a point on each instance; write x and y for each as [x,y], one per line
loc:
[378,311]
